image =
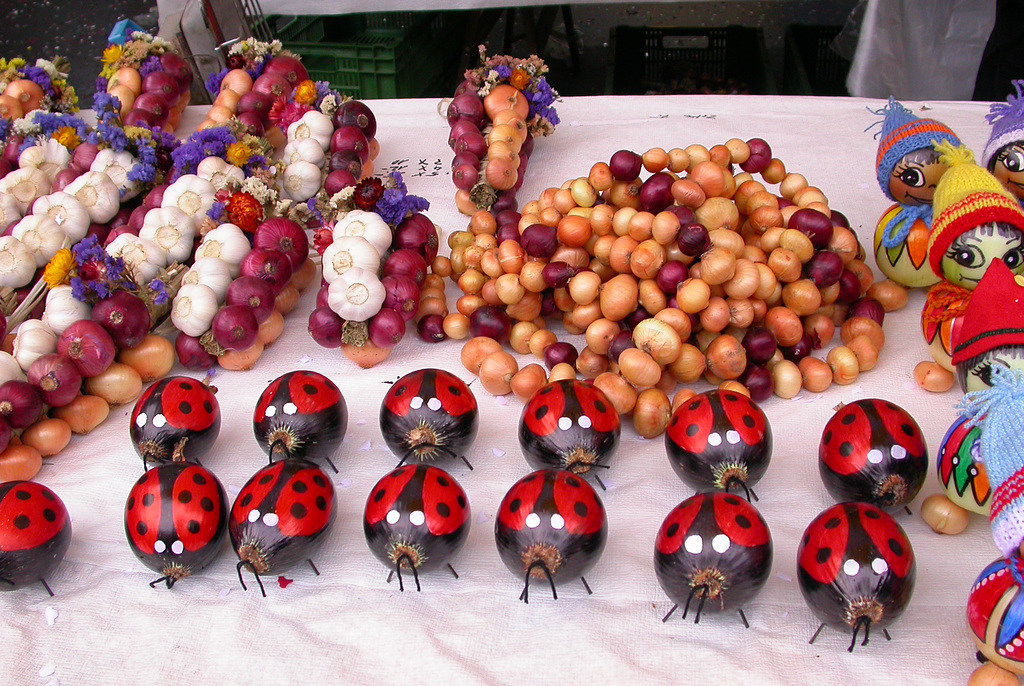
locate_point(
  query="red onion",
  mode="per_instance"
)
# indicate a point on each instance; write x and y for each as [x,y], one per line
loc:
[121,218]
[6,168]
[20,404]
[490,321]
[21,293]
[465,87]
[784,202]
[693,239]
[625,165]
[466,106]
[191,353]
[406,262]
[867,307]
[135,219]
[356,113]
[507,217]
[849,287]
[255,102]
[670,276]
[824,268]
[278,233]
[464,176]
[155,104]
[684,214]
[635,317]
[162,83]
[403,295]
[539,240]
[760,156]
[235,327]
[803,348]
[61,181]
[347,160]
[100,231]
[548,306]
[268,264]
[5,431]
[471,142]
[339,179]
[760,345]
[460,127]
[155,197]
[125,318]
[507,232]
[253,123]
[557,274]
[114,233]
[139,117]
[254,293]
[3,329]
[527,148]
[523,159]
[559,352]
[465,158]
[431,328]
[11,153]
[386,328]
[656,193]
[177,67]
[351,138]
[622,341]
[758,381]
[321,295]
[507,199]
[839,219]
[88,346]
[325,327]
[273,86]
[288,67]
[57,378]
[814,225]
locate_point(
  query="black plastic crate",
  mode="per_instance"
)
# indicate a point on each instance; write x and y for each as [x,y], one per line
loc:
[652,59]
[811,66]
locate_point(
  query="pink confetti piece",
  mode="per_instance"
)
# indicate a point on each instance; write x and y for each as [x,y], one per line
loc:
[284,581]
[501,400]
[344,484]
[361,422]
[784,577]
[365,446]
[498,452]
[234,490]
[224,592]
[51,616]
[482,517]
[47,670]
[305,359]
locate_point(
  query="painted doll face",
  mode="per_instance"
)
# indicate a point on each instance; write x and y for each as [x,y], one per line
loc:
[915,176]
[978,376]
[970,254]
[1008,167]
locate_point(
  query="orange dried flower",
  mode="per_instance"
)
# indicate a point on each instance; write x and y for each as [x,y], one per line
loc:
[244,211]
[519,79]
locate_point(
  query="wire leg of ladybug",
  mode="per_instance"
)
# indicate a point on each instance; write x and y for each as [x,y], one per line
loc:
[885,632]
[689,597]
[315,570]
[600,483]
[670,613]
[238,567]
[866,622]
[156,582]
[525,595]
[454,573]
[46,586]
[415,574]
[586,586]
[700,605]
[7,581]
[328,461]
[907,508]
[743,484]
[391,575]
[817,631]
[744,618]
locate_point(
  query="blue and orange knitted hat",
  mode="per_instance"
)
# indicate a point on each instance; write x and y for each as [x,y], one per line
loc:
[903,133]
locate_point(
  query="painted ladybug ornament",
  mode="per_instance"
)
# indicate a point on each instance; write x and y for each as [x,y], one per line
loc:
[570,425]
[429,413]
[995,613]
[856,569]
[176,419]
[301,414]
[416,517]
[715,547]
[719,440]
[175,519]
[873,451]
[551,524]
[35,532]
[279,518]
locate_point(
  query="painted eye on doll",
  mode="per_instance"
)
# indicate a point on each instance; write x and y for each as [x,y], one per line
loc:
[1013,258]
[912,177]
[968,256]
[1012,158]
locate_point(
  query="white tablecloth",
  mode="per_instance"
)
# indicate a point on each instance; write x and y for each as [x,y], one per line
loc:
[106,625]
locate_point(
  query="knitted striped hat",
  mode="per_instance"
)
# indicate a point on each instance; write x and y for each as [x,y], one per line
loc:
[1007,120]
[967,196]
[994,317]
[999,411]
[903,133]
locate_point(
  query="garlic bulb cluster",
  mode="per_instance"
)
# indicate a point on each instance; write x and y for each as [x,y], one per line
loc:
[66,211]
[192,195]
[41,235]
[315,125]
[368,225]
[349,252]
[49,157]
[194,308]
[304,150]
[172,230]
[25,185]
[35,338]
[219,172]
[210,271]
[97,193]
[356,295]
[63,309]
[227,242]
[143,258]
[17,263]
[116,165]
[301,180]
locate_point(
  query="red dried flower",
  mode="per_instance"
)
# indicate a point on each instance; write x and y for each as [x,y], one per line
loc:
[244,211]
[367,193]
[235,62]
[322,238]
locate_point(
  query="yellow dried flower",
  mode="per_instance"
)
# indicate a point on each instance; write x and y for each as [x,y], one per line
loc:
[57,270]
[519,79]
[111,54]
[305,92]
[67,137]
[238,154]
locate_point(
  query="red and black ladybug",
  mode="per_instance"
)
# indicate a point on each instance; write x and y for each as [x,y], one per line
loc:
[550,524]
[873,451]
[280,517]
[719,439]
[856,568]
[176,419]
[35,532]
[175,519]
[416,517]
[569,425]
[427,413]
[301,414]
[715,546]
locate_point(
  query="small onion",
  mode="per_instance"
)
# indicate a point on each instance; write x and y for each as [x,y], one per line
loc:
[386,328]
[403,295]
[325,327]
[758,381]
[153,358]
[431,328]
[235,327]
[269,264]
[84,413]
[406,262]
[254,293]
[89,347]
[21,403]
[118,385]
[284,235]
[56,377]
[124,316]
[191,353]
[491,322]
[560,352]
[760,345]
[867,307]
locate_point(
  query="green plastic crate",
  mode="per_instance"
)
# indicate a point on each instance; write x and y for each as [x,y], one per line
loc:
[811,66]
[652,59]
[380,54]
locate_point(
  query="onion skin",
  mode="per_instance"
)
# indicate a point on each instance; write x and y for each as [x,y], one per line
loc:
[153,358]
[89,347]
[84,413]
[48,436]
[20,404]
[118,385]
[943,515]
[125,318]
[192,354]
[19,463]
[57,379]
[365,356]
[241,360]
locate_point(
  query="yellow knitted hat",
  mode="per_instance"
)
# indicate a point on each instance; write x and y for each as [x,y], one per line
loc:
[963,177]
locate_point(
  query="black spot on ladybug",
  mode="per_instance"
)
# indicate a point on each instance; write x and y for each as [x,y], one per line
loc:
[186,386]
[672,530]
[48,495]
[141,528]
[895,546]
[461,501]
[443,510]
[310,389]
[546,390]
[848,419]
[845,448]
[320,481]
[208,406]
[580,509]
[321,503]
[265,479]
[730,396]
[572,481]
[22,495]
[742,521]
[600,406]
[298,510]
[21,521]
[147,500]
[199,479]
[185,497]
[378,496]
[828,436]
[514,505]
[823,555]
[206,504]
[807,539]
[443,481]
[871,514]
[748,421]
[692,430]
[131,502]
[246,499]
[832,523]
[185,408]
[528,478]
[674,420]
[907,429]
[541,412]
[454,390]
[693,406]
[192,526]
[892,407]
[732,500]
[49,515]
[299,486]
[400,391]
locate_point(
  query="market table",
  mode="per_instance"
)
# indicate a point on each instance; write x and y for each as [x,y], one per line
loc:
[106,625]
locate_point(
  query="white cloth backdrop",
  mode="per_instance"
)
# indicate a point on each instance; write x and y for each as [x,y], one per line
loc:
[106,625]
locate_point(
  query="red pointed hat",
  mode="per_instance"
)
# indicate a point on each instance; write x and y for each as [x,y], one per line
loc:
[994,317]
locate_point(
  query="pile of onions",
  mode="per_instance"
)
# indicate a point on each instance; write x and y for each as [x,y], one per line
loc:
[694,272]
[157,99]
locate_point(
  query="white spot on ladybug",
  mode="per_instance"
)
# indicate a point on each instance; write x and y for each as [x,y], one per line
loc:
[289,408]
[159,546]
[140,421]
[416,518]
[733,437]
[271,519]
[694,544]
[177,547]
[564,423]
[416,403]
[159,421]
[721,543]
[557,522]
[533,520]
[271,411]
[851,567]
[584,422]
[875,456]
[254,515]
[714,439]
[879,565]
[899,452]
[434,404]
[393,516]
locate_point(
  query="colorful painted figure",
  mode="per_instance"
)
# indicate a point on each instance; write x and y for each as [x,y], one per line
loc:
[1004,152]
